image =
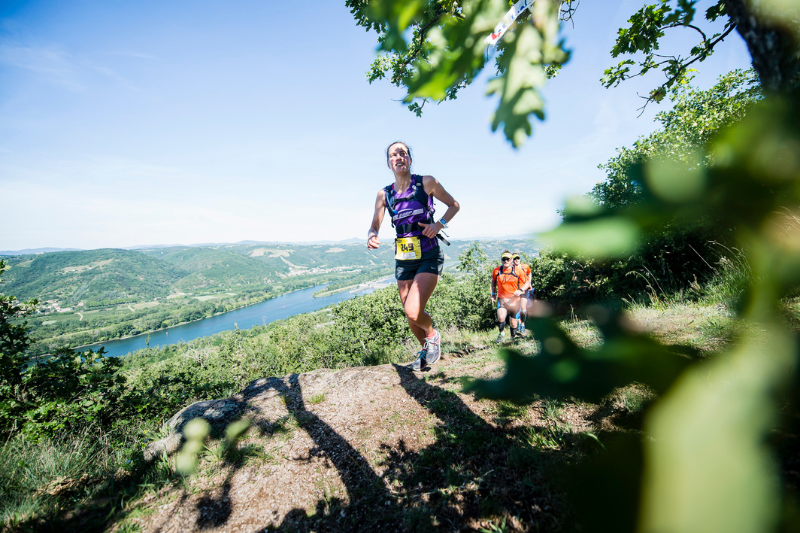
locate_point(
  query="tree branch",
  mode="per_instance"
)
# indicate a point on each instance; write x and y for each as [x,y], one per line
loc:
[682,69]
[422,32]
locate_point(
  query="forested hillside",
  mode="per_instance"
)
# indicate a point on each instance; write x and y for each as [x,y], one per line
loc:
[93,277]
[98,295]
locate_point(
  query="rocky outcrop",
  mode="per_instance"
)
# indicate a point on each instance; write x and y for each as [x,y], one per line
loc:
[220,413]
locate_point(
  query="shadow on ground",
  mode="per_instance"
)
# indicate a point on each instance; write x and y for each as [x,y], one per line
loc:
[475,473]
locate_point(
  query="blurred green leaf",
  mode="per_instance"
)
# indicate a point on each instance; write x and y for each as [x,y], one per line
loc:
[601,238]
[564,370]
[195,431]
[676,182]
[707,467]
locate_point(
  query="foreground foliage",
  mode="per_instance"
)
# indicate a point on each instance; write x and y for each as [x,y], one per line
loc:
[677,479]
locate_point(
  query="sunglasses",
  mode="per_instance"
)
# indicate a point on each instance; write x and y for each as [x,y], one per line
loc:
[516,257]
[506,259]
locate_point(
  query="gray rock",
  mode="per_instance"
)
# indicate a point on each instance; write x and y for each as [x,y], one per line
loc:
[218,413]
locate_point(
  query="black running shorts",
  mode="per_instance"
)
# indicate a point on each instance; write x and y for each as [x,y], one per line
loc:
[430,262]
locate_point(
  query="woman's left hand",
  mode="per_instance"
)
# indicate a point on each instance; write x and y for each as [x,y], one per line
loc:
[431,230]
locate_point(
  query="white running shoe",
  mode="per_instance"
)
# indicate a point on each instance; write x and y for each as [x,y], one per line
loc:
[433,348]
[420,362]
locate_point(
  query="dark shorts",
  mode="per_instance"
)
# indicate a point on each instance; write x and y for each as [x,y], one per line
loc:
[431,262]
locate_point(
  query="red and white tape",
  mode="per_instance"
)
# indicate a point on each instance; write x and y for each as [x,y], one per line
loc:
[508,19]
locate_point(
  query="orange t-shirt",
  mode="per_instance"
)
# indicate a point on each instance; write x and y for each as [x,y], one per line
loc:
[506,282]
[527,270]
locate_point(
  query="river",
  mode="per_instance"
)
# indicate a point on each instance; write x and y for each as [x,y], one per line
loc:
[262,313]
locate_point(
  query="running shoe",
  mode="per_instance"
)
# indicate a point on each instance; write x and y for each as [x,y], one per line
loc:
[420,362]
[521,328]
[433,348]
[500,338]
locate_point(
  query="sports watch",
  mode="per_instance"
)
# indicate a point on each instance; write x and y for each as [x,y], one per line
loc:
[443,222]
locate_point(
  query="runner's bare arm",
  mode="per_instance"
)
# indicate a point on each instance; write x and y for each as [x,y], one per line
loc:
[432,186]
[373,241]
[527,284]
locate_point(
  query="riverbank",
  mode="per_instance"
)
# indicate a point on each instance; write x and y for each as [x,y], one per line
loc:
[357,287]
[262,313]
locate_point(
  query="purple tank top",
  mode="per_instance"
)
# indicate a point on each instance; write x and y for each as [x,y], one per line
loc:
[408,210]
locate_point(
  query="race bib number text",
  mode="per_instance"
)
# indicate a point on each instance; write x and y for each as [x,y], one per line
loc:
[407,248]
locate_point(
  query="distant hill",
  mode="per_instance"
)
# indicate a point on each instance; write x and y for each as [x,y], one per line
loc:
[71,277]
[117,276]
[36,251]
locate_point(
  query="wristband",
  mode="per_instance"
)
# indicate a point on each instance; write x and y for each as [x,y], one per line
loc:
[443,222]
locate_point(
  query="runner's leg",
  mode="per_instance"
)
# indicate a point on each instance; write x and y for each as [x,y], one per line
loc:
[404,286]
[501,320]
[501,315]
[513,309]
[414,295]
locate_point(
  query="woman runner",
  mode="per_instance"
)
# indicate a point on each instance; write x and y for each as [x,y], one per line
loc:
[418,257]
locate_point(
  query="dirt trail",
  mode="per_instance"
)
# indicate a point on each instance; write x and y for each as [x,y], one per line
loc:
[362,447]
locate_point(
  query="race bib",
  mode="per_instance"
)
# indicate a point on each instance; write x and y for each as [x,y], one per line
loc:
[407,248]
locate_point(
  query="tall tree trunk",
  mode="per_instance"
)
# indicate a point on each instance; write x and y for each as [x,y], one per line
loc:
[773,49]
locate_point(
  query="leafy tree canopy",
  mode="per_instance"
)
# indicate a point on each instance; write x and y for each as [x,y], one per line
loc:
[696,115]
[434,48]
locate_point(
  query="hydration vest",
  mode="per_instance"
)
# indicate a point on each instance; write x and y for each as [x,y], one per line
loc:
[512,273]
[408,211]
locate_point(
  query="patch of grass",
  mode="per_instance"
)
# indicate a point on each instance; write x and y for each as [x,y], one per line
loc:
[140,511]
[215,452]
[36,476]
[317,399]
[284,426]
[583,332]
[634,397]
[496,527]
[552,410]
[433,377]
[77,481]
[128,527]
[508,411]
[732,276]
[551,437]
[249,453]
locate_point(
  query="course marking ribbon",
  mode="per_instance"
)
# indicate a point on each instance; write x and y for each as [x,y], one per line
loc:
[508,18]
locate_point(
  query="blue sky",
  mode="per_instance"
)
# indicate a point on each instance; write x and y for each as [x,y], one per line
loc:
[147,122]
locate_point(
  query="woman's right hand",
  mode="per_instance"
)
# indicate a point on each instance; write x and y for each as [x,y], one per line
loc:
[373,242]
